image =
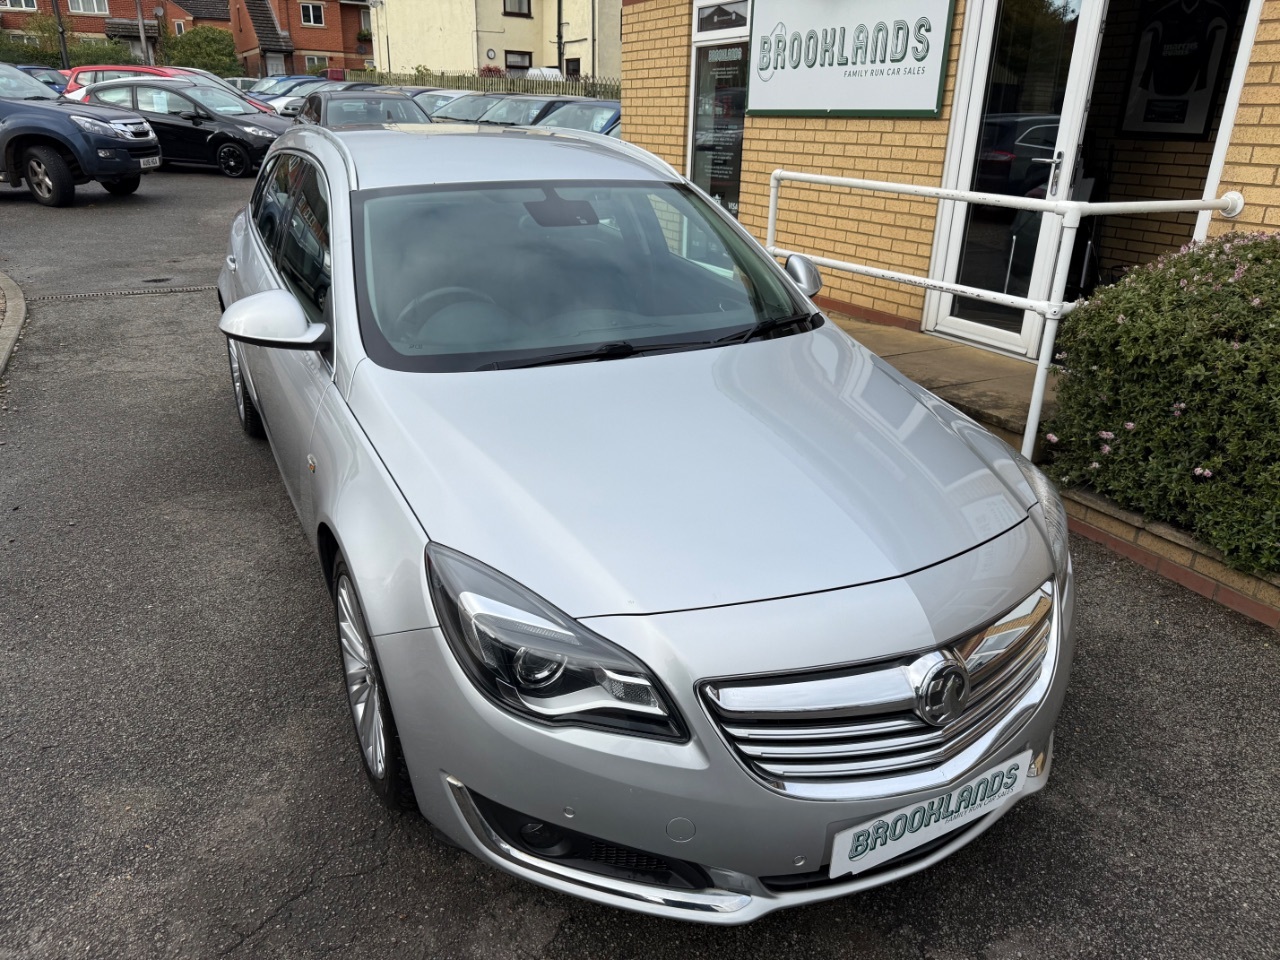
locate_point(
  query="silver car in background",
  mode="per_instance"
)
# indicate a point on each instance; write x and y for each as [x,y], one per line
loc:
[651,585]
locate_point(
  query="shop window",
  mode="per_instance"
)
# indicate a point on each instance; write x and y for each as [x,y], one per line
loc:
[519,59]
[312,14]
[722,16]
[516,8]
[720,106]
[88,6]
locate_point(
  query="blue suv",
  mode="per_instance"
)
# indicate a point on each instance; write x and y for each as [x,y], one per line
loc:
[53,143]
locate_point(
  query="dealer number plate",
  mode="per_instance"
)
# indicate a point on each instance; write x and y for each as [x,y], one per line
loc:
[869,844]
[149,162]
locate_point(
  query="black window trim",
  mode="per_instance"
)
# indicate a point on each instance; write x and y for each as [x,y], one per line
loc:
[508,54]
[528,11]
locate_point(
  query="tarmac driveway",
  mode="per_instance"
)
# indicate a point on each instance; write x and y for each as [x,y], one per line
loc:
[177,772]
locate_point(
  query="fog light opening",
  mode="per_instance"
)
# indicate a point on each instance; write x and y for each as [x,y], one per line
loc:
[545,838]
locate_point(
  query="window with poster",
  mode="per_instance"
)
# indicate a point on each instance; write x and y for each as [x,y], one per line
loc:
[718,99]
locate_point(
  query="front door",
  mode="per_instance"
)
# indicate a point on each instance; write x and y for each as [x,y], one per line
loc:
[182,135]
[718,99]
[275,65]
[1026,70]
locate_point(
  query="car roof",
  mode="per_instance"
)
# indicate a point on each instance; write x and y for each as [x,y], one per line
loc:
[136,67]
[359,94]
[400,155]
[149,80]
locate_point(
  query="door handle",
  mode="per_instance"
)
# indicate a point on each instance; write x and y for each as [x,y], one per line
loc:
[1056,163]
[231,264]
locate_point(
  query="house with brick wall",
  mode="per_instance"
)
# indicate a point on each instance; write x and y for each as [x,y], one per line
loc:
[1173,100]
[298,36]
[117,19]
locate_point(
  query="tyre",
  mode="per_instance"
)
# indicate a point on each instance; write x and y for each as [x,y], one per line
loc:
[250,421]
[124,187]
[233,161]
[375,727]
[48,177]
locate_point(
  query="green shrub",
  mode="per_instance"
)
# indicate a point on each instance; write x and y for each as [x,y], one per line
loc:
[1169,395]
[207,48]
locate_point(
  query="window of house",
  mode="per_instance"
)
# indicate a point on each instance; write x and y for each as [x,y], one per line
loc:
[179,28]
[18,5]
[519,59]
[27,38]
[516,8]
[312,14]
[366,21]
[88,6]
[573,67]
[313,62]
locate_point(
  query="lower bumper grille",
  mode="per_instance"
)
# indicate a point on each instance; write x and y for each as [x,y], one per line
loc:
[864,723]
[138,153]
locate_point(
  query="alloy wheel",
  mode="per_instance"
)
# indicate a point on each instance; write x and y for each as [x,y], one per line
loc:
[363,689]
[231,160]
[38,177]
[237,380]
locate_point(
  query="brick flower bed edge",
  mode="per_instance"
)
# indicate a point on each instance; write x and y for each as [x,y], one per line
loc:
[1174,554]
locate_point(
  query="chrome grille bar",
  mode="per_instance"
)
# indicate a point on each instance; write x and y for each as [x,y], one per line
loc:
[847,725]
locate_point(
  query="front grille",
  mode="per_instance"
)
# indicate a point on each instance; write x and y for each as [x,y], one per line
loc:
[626,859]
[859,724]
[137,129]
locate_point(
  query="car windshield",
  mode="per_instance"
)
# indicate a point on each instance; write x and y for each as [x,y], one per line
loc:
[219,102]
[517,274]
[465,108]
[354,111]
[431,102]
[516,110]
[268,84]
[592,117]
[16,85]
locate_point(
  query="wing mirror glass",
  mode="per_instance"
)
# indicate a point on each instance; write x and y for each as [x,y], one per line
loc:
[803,271]
[273,319]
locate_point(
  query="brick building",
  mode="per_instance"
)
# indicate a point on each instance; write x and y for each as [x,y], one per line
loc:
[117,19]
[298,36]
[1175,99]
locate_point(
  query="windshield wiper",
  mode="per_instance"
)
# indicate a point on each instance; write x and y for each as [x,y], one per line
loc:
[618,350]
[766,326]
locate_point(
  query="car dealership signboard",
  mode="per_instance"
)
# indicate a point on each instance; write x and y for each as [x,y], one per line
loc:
[863,58]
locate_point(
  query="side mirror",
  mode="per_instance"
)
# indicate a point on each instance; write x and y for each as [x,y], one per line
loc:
[804,273]
[273,319]
[190,115]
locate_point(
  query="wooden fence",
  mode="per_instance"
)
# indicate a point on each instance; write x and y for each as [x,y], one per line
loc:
[603,88]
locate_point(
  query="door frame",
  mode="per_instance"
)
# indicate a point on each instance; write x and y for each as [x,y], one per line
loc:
[700,39]
[965,132]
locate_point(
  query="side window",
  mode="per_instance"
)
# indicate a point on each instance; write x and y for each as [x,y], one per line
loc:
[311,112]
[273,200]
[157,100]
[303,256]
[688,239]
[116,96]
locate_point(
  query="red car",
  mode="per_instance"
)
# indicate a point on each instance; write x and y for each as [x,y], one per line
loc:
[83,76]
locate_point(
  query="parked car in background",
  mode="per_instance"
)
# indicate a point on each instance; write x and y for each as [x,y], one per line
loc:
[651,584]
[1011,151]
[352,108]
[212,79]
[197,124]
[433,101]
[288,104]
[243,84]
[84,76]
[270,84]
[467,108]
[411,91]
[55,80]
[53,145]
[593,116]
[523,109]
[199,77]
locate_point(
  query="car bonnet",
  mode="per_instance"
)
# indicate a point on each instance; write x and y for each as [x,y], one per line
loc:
[686,480]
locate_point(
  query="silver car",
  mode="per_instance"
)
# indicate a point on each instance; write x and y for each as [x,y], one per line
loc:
[651,585]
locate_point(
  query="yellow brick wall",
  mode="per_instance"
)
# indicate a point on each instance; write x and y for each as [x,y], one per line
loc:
[882,231]
[1253,158]
[656,37]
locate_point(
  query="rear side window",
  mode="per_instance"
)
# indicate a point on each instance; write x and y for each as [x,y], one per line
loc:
[272,202]
[303,256]
[116,96]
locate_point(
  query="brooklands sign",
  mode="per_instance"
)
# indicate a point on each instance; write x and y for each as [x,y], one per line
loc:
[849,57]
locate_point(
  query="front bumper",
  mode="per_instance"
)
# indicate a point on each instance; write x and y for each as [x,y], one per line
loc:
[760,849]
[113,158]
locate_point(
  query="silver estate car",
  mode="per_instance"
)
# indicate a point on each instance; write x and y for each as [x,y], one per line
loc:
[651,585]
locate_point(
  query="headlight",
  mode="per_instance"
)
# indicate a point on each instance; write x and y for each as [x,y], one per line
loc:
[260,132]
[1055,515]
[530,658]
[98,127]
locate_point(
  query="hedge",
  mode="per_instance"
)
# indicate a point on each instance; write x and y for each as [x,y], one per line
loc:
[1169,395]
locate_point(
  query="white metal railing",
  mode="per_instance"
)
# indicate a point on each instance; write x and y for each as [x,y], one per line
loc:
[1052,310]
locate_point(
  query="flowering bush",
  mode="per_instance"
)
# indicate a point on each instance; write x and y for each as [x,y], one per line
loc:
[1169,395]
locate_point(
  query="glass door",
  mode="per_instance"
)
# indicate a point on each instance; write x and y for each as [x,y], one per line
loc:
[719,114]
[1022,127]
